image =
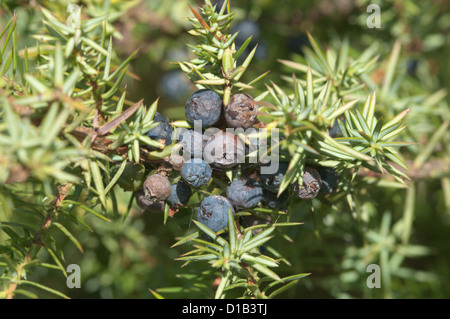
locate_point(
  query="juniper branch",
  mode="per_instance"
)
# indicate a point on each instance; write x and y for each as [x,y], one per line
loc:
[433,168]
[37,243]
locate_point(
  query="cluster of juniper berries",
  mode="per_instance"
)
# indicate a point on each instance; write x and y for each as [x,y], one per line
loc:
[207,156]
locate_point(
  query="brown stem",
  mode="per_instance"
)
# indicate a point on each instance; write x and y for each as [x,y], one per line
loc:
[12,287]
[101,144]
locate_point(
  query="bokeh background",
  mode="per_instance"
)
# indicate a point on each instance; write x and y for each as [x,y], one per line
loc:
[126,258]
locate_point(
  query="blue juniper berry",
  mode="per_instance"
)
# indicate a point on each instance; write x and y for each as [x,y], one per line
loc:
[204,105]
[213,212]
[175,86]
[272,181]
[192,143]
[247,28]
[163,132]
[411,67]
[335,131]
[196,172]
[181,192]
[330,179]
[271,200]
[245,193]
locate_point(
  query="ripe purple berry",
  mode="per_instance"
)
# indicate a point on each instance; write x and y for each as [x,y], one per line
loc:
[204,105]
[157,188]
[241,111]
[213,212]
[196,172]
[245,193]
[224,150]
[181,192]
[310,186]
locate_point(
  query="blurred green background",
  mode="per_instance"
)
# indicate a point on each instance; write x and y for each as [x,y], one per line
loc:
[123,259]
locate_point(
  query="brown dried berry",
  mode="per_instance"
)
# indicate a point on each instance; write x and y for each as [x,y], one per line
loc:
[310,186]
[147,205]
[224,150]
[157,188]
[177,161]
[241,111]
